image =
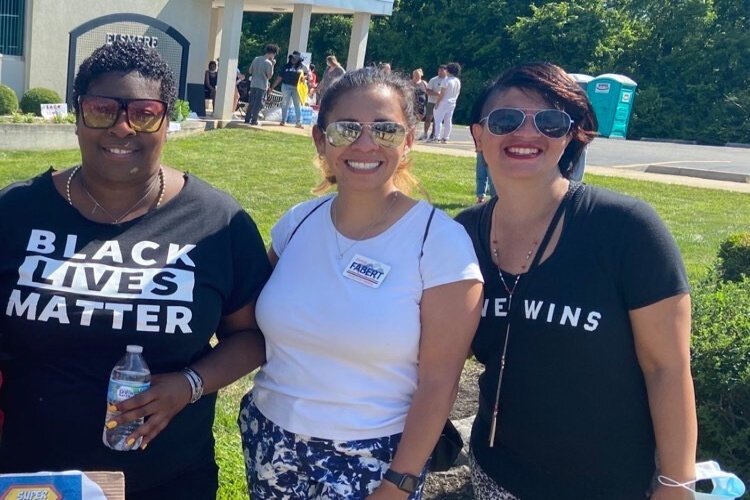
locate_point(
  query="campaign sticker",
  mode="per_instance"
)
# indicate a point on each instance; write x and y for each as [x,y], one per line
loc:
[367,271]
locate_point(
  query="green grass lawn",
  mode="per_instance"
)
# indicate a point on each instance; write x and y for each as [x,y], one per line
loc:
[268,172]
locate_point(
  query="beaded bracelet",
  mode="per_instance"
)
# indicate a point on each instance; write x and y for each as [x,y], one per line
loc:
[196,383]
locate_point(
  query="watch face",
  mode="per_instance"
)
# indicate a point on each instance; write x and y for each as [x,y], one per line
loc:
[404,482]
[409,483]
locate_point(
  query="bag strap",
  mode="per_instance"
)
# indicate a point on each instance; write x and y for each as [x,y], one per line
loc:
[426,231]
[305,218]
[561,209]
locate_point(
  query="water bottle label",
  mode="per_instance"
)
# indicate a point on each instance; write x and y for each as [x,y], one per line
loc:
[120,390]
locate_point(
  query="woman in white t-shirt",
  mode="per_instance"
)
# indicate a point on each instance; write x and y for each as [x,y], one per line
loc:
[446,103]
[368,315]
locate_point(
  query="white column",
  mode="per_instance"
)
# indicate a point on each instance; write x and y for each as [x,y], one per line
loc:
[231,29]
[215,32]
[358,41]
[300,28]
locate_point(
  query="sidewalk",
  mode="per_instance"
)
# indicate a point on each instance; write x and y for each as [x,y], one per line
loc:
[466,148]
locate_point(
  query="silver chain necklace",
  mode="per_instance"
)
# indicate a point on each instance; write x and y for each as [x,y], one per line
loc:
[551,226]
[340,253]
[97,205]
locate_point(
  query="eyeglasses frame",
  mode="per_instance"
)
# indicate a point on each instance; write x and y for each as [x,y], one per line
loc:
[123,102]
[484,121]
[368,126]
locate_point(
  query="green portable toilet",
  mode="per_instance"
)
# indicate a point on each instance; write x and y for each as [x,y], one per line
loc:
[612,97]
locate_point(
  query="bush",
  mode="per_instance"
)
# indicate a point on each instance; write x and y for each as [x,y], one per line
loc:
[734,257]
[721,371]
[33,98]
[180,111]
[8,100]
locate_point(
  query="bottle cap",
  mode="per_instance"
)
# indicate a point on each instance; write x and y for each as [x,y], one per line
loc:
[136,349]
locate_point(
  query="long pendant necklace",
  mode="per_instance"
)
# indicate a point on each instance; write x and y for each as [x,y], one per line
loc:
[340,253]
[97,205]
[510,291]
[537,251]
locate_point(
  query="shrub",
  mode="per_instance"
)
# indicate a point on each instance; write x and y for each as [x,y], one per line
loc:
[734,257]
[33,98]
[721,371]
[180,111]
[8,100]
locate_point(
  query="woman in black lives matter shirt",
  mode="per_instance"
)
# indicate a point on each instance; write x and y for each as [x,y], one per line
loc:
[123,250]
[586,325]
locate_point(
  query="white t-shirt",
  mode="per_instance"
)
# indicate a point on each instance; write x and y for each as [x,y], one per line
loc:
[450,88]
[342,356]
[434,84]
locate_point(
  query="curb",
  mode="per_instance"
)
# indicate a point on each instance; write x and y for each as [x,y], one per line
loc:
[714,175]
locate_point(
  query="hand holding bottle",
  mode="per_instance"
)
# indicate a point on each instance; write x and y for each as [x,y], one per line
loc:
[168,395]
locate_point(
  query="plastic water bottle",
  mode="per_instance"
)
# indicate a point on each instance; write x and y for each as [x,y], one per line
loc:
[129,377]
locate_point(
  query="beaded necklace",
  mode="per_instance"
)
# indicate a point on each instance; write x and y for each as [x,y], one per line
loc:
[116,220]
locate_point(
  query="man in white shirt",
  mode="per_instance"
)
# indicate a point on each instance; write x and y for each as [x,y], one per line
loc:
[446,103]
[433,90]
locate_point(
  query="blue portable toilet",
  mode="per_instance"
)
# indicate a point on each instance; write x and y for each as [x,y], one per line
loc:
[612,97]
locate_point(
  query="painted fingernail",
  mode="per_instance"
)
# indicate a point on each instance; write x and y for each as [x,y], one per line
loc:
[131,441]
[143,447]
[111,424]
[111,408]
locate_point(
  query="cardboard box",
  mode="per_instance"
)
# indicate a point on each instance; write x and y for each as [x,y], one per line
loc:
[68,485]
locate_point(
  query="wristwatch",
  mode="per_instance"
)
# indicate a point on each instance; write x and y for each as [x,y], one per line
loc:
[404,482]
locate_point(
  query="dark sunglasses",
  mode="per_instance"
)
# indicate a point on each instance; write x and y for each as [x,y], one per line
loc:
[552,123]
[143,115]
[385,134]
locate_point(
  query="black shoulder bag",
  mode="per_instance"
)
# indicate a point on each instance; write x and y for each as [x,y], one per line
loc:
[450,443]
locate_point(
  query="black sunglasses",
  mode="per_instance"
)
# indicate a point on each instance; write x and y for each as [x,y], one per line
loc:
[385,134]
[552,123]
[143,115]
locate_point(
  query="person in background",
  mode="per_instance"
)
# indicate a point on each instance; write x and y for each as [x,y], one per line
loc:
[348,407]
[289,78]
[420,91]
[433,91]
[312,82]
[260,72]
[445,105]
[483,181]
[122,249]
[210,78]
[237,79]
[333,72]
[585,336]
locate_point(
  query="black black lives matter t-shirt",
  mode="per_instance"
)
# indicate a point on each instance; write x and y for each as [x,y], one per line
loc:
[574,418]
[74,293]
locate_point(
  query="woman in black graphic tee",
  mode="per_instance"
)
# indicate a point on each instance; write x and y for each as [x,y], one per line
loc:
[122,250]
[586,325]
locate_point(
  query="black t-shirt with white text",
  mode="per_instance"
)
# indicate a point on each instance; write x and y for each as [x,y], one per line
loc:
[574,417]
[290,74]
[74,293]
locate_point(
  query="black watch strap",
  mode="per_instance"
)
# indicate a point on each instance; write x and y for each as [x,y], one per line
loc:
[404,482]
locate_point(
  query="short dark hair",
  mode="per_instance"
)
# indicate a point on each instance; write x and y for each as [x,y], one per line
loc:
[271,48]
[555,86]
[442,66]
[126,57]
[453,68]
